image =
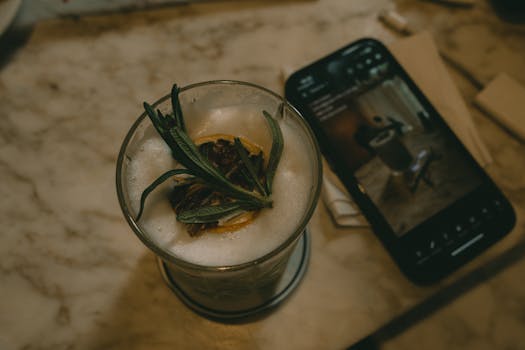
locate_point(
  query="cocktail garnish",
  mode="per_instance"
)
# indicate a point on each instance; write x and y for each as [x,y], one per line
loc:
[277,148]
[221,179]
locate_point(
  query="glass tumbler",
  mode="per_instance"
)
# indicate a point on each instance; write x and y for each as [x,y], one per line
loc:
[249,287]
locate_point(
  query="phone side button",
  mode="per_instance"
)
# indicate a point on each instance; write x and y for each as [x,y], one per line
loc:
[467,244]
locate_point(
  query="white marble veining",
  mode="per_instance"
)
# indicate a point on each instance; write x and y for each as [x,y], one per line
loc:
[72,274]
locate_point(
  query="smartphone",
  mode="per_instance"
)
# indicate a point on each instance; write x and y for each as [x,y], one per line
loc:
[426,198]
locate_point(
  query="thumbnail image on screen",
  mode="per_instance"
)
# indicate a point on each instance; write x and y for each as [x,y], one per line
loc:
[408,163]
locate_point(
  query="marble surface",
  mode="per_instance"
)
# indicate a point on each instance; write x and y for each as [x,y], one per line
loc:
[489,316]
[72,274]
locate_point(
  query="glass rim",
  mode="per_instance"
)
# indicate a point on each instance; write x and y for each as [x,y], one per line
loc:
[172,258]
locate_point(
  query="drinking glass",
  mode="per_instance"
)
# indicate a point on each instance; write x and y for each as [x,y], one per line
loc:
[251,287]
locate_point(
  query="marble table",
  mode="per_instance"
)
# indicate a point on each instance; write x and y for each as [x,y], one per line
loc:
[73,275]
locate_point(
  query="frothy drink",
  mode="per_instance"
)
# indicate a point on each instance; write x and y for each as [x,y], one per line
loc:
[240,269]
[149,157]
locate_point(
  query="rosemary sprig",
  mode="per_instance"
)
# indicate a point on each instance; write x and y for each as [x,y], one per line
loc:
[175,104]
[212,213]
[249,166]
[172,129]
[202,168]
[161,179]
[277,148]
[161,124]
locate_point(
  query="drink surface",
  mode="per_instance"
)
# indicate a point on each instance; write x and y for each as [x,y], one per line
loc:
[149,157]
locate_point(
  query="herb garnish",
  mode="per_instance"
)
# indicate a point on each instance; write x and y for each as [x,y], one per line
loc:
[220,197]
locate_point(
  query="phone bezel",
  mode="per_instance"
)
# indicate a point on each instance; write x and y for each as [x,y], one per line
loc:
[399,245]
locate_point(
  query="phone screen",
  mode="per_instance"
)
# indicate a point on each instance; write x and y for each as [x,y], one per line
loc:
[400,152]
